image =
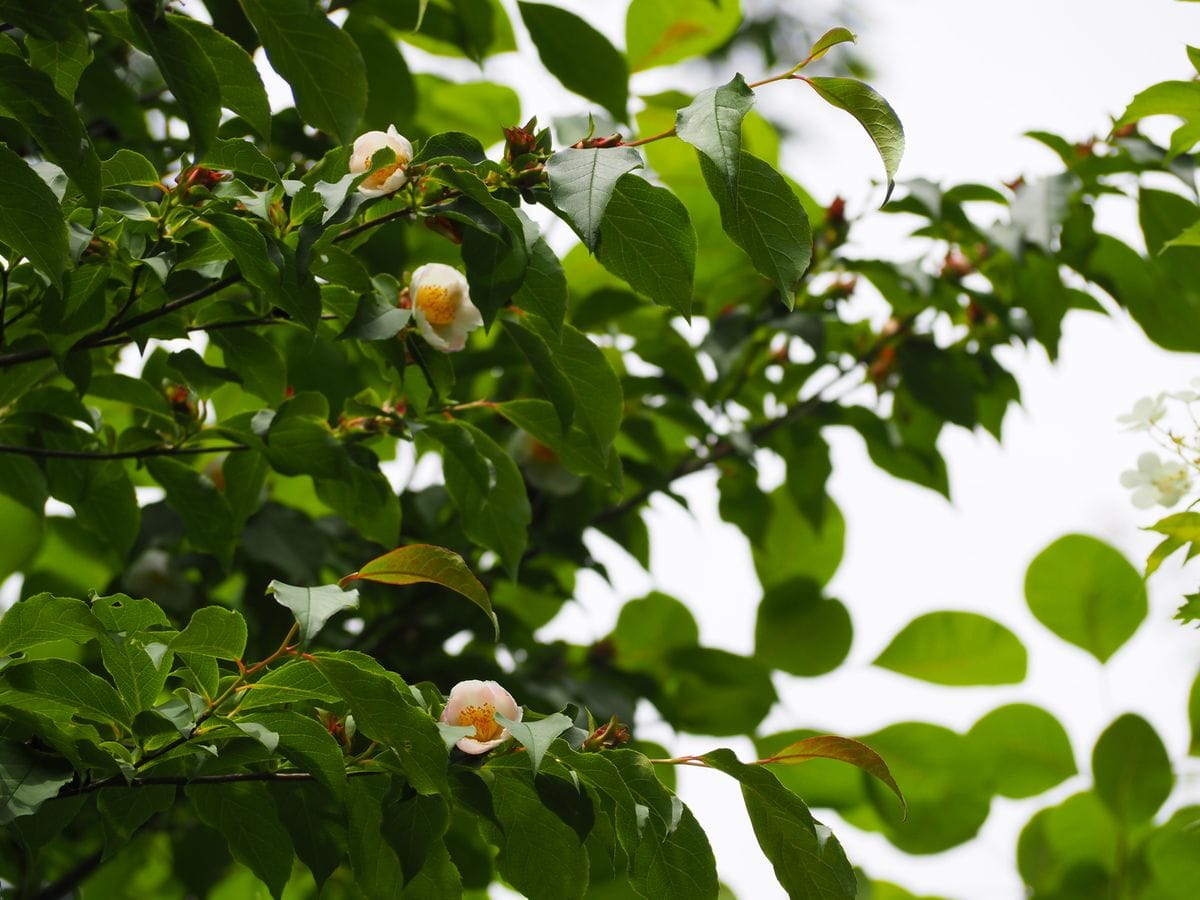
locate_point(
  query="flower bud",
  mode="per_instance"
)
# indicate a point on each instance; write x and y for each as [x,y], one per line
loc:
[476,703]
[387,179]
[442,306]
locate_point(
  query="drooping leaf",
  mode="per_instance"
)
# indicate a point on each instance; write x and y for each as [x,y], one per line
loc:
[30,219]
[306,744]
[873,112]
[1087,593]
[244,814]
[579,56]
[582,183]
[320,62]
[425,563]
[848,750]
[312,606]
[712,123]
[27,780]
[956,648]
[241,87]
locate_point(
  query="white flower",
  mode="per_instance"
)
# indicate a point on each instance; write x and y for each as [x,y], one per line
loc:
[1188,396]
[387,178]
[442,306]
[476,703]
[1155,481]
[1145,413]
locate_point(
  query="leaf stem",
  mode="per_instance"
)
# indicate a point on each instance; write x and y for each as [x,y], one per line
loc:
[3,300]
[228,778]
[47,453]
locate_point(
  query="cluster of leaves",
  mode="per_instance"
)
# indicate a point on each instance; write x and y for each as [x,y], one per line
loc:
[706,319]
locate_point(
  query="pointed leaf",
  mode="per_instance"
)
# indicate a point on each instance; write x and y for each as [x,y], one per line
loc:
[582,183]
[956,648]
[213,631]
[426,563]
[536,736]
[45,618]
[579,56]
[712,123]
[31,221]
[872,112]
[312,606]
[243,813]
[1132,770]
[830,746]
[27,780]
[829,39]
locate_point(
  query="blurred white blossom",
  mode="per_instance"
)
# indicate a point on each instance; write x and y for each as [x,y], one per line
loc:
[1155,481]
[1144,414]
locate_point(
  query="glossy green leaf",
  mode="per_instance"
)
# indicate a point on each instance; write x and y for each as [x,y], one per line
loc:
[646,238]
[127,167]
[306,744]
[64,60]
[30,220]
[828,40]
[52,19]
[799,631]
[256,360]
[582,184]
[544,290]
[44,618]
[550,376]
[213,631]
[246,244]
[60,681]
[122,613]
[427,564]
[956,648]
[377,871]
[872,112]
[847,750]
[1087,593]
[577,450]
[320,62]
[139,667]
[312,606]
[243,813]
[712,123]
[27,780]
[297,681]
[240,85]
[1131,768]
[808,860]
[661,32]
[238,156]
[579,56]
[764,217]
[1029,749]
[186,66]
[536,735]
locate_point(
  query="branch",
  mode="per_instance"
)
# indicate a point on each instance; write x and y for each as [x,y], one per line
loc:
[46,453]
[65,886]
[183,780]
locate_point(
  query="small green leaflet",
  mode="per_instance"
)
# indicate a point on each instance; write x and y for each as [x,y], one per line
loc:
[312,606]
[536,736]
[426,563]
[827,41]
[872,112]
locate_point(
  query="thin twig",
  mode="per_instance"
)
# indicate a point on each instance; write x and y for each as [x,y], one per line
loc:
[183,780]
[129,301]
[65,886]
[3,300]
[49,453]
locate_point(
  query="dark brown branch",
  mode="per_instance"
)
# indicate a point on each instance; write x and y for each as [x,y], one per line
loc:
[183,780]
[65,886]
[129,301]
[46,453]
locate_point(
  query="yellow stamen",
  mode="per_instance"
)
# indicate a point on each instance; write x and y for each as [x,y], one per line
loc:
[435,302]
[380,175]
[484,719]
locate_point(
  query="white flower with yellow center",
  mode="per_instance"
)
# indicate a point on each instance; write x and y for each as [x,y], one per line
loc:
[1145,414]
[1155,481]
[442,306]
[475,704]
[386,179]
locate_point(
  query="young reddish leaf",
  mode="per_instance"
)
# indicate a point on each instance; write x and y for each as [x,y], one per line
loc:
[830,746]
[426,563]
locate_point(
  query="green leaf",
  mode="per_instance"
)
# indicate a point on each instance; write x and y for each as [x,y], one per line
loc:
[61,681]
[765,219]
[799,631]
[377,870]
[122,613]
[1087,593]
[29,96]
[579,56]
[376,319]
[532,833]
[320,62]
[828,40]
[306,744]
[21,531]
[213,631]
[127,167]
[1167,98]
[312,606]
[1194,717]
[661,32]
[847,750]
[649,628]
[1070,850]
[238,156]
[30,219]
[1180,529]
[600,404]
[710,691]
[427,564]
[241,86]
[808,860]
[243,813]
[550,376]
[577,450]
[956,648]
[1132,770]
[1030,750]
[791,548]
[712,123]
[124,812]
[44,618]
[200,504]
[383,714]
[27,780]
[582,183]
[536,736]
[1172,853]
[186,67]
[646,238]
[64,60]
[255,359]
[246,244]
[544,290]
[297,681]
[51,19]
[138,666]
[313,821]
[873,113]
[487,488]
